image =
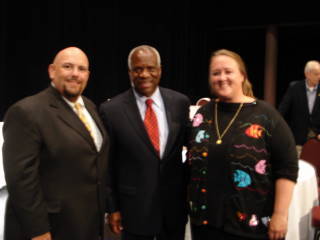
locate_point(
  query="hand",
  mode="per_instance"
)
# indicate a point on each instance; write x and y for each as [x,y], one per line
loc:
[114,220]
[278,227]
[46,236]
[318,137]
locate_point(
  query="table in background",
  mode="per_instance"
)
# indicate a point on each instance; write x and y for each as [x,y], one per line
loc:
[305,197]
[3,190]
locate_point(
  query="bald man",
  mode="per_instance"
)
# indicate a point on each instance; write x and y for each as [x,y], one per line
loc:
[55,153]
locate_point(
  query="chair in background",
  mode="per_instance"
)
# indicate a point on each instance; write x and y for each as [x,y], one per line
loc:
[202,101]
[311,153]
[199,103]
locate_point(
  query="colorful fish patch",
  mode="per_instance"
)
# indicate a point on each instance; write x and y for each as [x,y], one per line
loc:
[241,178]
[261,167]
[254,131]
[197,120]
[253,221]
[265,221]
[201,135]
[241,216]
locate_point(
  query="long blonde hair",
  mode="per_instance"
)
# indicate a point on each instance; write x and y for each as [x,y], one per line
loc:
[246,85]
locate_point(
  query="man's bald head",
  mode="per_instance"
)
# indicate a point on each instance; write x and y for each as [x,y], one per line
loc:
[69,72]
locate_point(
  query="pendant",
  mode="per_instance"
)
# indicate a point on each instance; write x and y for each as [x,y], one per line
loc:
[219,141]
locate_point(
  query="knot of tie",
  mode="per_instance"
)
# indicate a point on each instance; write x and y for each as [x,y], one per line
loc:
[77,106]
[149,102]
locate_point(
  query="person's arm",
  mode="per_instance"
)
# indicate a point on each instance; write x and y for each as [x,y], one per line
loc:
[114,221]
[279,220]
[21,149]
[46,236]
[284,164]
[187,121]
[114,216]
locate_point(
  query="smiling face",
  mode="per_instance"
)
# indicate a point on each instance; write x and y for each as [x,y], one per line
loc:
[70,72]
[226,79]
[145,72]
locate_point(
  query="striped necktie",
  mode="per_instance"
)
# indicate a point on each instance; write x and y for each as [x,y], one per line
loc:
[83,118]
[151,125]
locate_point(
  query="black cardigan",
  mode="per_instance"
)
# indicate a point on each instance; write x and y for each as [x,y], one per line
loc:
[232,184]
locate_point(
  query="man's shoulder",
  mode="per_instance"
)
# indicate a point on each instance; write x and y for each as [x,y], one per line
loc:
[31,101]
[116,100]
[28,106]
[174,94]
[264,106]
[88,101]
[297,84]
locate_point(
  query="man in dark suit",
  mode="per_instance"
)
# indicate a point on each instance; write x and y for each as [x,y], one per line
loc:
[148,177]
[55,152]
[301,105]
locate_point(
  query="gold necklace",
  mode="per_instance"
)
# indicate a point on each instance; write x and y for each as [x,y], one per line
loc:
[219,141]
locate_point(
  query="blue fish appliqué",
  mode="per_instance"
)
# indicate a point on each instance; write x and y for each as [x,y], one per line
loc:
[241,178]
[201,135]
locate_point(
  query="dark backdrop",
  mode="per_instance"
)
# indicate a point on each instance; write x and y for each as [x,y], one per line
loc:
[185,33]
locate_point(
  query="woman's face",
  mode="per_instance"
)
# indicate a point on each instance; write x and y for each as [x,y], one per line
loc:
[225,78]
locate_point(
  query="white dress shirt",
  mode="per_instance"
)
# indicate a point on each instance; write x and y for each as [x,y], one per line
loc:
[311,96]
[160,111]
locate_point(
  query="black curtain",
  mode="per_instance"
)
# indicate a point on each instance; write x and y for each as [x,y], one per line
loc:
[185,33]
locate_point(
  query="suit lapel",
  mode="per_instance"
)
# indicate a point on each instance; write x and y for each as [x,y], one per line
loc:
[96,118]
[68,116]
[132,112]
[304,99]
[169,107]
[316,102]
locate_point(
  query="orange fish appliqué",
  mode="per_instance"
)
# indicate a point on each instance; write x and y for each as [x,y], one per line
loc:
[254,131]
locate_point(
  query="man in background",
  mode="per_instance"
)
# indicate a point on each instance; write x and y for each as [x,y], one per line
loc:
[301,105]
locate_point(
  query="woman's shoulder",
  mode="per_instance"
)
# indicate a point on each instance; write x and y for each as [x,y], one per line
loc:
[265,112]
[265,106]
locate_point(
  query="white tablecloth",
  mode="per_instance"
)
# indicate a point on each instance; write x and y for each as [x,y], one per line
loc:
[2,181]
[3,191]
[305,196]
[3,200]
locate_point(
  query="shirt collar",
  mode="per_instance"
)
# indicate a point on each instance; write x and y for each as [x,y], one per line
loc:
[156,97]
[311,89]
[71,104]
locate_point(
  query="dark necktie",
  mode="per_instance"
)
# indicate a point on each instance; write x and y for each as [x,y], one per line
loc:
[151,124]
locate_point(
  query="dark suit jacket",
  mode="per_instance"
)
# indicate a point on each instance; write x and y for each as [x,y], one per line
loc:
[55,175]
[146,190]
[294,108]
